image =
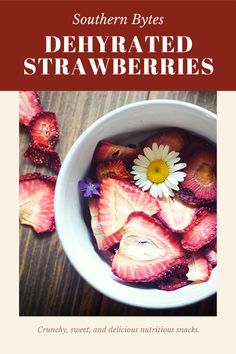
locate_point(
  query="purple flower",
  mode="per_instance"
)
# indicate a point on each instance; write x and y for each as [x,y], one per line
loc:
[89,187]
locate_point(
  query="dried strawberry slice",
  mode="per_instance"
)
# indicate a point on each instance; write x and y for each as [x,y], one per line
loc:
[172,283]
[118,200]
[189,197]
[210,255]
[44,129]
[110,255]
[36,194]
[29,106]
[210,252]
[147,250]
[114,169]
[202,232]
[43,156]
[199,268]
[103,242]
[213,245]
[176,215]
[106,151]
[197,143]
[173,137]
[112,251]
[181,270]
[175,280]
[200,178]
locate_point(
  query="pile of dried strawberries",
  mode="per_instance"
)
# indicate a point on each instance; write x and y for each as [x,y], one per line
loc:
[36,191]
[170,242]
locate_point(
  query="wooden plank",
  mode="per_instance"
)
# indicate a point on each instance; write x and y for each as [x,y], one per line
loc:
[203,308]
[205,99]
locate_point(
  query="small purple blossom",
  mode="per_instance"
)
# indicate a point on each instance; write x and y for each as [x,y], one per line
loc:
[89,187]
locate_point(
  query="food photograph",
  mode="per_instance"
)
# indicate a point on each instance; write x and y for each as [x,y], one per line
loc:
[117,203]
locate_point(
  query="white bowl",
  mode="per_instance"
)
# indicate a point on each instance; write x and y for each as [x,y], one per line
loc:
[125,124]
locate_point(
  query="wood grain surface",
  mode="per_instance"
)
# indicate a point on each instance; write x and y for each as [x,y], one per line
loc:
[49,285]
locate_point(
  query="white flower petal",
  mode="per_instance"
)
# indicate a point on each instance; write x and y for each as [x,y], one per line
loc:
[154,190]
[171,193]
[149,153]
[142,184]
[178,174]
[171,185]
[155,150]
[158,156]
[172,179]
[141,163]
[144,160]
[165,152]
[159,192]
[146,185]
[179,166]
[172,155]
[139,168]
[173,161]
[171,182]
[165,190]
[140,175]
[140,181]
[161,148]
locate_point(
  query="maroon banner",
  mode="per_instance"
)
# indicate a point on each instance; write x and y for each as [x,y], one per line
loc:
[117,45]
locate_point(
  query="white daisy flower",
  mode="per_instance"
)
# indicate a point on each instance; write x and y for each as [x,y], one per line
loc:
[158,170]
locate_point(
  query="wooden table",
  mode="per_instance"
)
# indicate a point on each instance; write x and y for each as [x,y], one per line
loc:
[49,285]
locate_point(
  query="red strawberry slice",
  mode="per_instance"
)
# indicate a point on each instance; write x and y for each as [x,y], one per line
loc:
[197,143]
[213,245]
[106,151]
[112,251]
[36,196]
[189,197]
[103,242]
[181,270]
[43,156]
[29,106]
[210,252]
[173,137]
[210,255]
[118,200]
[114,169]
[175,280]
[176,215]
[172,283]
[202,232]
[44,129]
[200,181]
[147,250]
[199,268]
[110,255]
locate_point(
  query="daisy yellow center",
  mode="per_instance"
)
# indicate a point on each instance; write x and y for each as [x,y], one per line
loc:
[158,171]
